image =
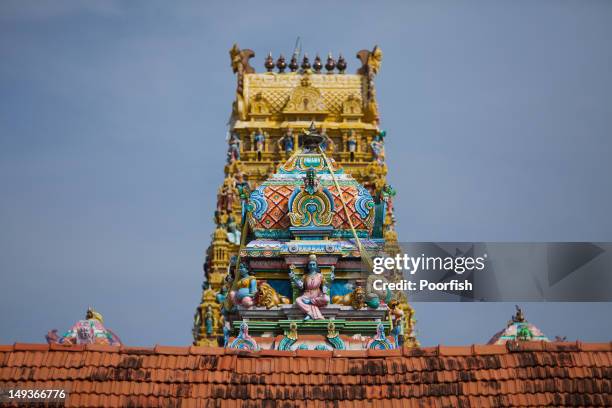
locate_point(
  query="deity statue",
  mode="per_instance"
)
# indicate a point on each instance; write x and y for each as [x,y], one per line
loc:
[259,138]
[315,291]
[221,295]
[352,144]
[206,265]
[396,316]
[91,330]
[387,194]
[242,185]
[226,330]
[311,182]
[197,321]
[205,283]
[209,321]
[285,143]
[245,288]
[226,195]
[233,152]
[233,234]
[327,142]
[378,147]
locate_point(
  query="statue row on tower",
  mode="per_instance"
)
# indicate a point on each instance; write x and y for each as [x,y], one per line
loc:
[287,141]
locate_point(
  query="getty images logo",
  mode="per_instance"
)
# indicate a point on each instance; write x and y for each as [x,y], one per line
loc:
[413,264]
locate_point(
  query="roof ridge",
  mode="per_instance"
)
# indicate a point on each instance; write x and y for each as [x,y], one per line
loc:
[439,350]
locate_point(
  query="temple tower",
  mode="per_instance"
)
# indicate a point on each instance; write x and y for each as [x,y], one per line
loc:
[270,112]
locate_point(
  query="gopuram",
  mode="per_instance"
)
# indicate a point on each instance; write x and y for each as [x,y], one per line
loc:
[303,207]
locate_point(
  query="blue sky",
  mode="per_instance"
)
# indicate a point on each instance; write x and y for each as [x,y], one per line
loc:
[112,127]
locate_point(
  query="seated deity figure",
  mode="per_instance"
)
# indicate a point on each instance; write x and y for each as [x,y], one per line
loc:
[315,290]
[245,289]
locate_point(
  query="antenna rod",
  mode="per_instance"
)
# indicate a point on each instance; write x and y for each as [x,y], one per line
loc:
[297,49]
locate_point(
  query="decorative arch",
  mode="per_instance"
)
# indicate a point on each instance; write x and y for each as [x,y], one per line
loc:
[305,99]
[259,105]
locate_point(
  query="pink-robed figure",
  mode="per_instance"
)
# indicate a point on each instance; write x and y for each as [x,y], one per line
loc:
[315,291]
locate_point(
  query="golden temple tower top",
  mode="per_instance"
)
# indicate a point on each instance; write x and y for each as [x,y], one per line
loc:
[271,108]
[292,95]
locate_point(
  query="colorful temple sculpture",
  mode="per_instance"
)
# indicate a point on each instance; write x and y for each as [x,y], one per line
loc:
[303,206]
[90,330]
[518,329]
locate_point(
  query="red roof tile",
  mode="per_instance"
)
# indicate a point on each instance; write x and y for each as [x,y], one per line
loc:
[536,374]
[67,347]
[455,350]
[30,347]
[350,353]
[208,351]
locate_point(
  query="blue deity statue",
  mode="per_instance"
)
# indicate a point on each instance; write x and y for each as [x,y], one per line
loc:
[396,316]
[245,289]
[352,142]
[378,147]
[209,321]
[221,295]
[227,331]
[286,143]
[259,140]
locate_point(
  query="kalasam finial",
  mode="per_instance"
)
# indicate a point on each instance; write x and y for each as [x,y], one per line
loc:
[293,64]
[341,65]
[305,63]
[281,64]
[269,64]
[330,64]
[317,64]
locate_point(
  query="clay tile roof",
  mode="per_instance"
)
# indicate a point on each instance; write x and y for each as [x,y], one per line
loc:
[523,374]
